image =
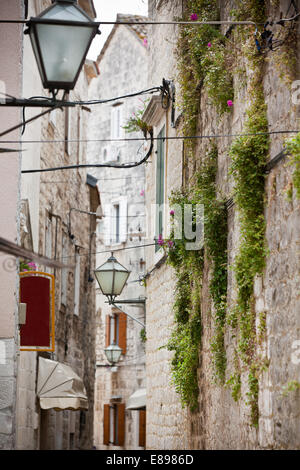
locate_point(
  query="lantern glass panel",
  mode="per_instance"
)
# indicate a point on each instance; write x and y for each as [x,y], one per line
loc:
[64,13]
[113,353]
[120,281]
[62,49]
[112,277]
[105,280]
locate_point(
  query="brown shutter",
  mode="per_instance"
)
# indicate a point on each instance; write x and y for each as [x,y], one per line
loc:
[121,423]
[106,421]
[142,428]
[122,332]
[107,331]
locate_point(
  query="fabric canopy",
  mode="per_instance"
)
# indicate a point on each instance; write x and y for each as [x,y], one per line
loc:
[59,387]
[137,400]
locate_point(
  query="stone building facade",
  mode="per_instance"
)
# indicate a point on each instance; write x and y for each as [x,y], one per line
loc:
[57,220]
[122,66]
[11,43]
[220,422]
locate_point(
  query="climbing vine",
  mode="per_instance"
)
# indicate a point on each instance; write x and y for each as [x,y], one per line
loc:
[215,242]
[249,156]
[186,337]
[293,148]
[205,63]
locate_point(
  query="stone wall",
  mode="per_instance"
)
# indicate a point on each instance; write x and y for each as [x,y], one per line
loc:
[74,326]
[11,43]
[166,421]
[221,423]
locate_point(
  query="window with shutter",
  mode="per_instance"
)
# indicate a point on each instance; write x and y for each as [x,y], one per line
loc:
[160,185]
[117,122]
[77,284]
[123,220]
[142,428]
[120,407]
[64,272]
[68,124]
[122,332]
[48,242]
[107,331]
[116,330]
[116,223]
[114,424]
[106,426]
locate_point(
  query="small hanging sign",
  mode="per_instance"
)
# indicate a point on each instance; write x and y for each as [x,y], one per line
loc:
[37,291]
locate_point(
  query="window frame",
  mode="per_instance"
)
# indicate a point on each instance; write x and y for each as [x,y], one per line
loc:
[116,121]
[77,283]
[160,186]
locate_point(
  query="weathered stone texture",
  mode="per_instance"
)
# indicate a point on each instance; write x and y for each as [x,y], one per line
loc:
[221,423]
[74,333]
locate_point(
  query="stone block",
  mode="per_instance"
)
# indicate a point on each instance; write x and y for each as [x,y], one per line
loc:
[6,421]
[7,357]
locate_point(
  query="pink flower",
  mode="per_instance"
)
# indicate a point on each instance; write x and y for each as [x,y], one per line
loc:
[194,17]
[160,241]
[209,44]
[230,103]
[145,42]
[171,243]
[172,212]
[142,193]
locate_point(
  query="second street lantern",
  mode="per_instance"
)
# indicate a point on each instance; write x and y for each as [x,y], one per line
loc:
[61,37]
[111,277]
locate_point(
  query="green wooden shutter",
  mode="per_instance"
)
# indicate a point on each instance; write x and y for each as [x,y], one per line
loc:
[160,183]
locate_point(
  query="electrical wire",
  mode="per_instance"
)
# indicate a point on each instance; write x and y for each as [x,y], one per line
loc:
[138,23]
[98,165]
[189,137]
[109,100]
[110,251]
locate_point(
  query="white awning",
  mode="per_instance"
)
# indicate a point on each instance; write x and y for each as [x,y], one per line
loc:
[59,387]
[137,400]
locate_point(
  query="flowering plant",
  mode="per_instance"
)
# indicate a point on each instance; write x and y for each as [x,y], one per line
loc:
[25,266]
[135,122]
[166,244]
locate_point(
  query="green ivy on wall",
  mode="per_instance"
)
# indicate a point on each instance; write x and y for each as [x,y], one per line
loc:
[293,148]
[186,335]
[249,156]
[185,339]
[204,62]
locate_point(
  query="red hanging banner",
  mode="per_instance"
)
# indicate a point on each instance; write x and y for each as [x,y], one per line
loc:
[37,292]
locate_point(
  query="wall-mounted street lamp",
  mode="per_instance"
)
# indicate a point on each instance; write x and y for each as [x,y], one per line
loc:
[113,353]
[112,277]
[60,37]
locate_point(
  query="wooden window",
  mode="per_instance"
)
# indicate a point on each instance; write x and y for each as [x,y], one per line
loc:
[160,184]
[116,330]
[114,424]
[106,426]
[68,124]
[142,428]
[77,284]
[48,242]
[117,130]
[116,222]
[64,272]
